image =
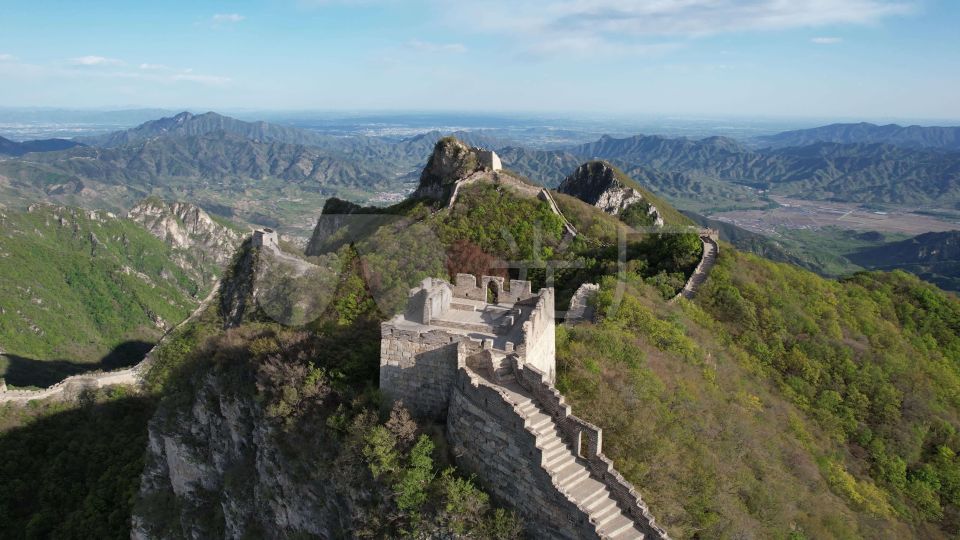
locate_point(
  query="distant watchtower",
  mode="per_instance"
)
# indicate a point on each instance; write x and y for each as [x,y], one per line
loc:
[489,159]
[265,237]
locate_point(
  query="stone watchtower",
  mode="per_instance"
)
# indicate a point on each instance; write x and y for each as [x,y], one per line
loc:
[421,349]
[488,159]
[480,357]
[265,238]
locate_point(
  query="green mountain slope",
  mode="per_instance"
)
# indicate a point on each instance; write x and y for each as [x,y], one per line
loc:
[72,470]
[778,403]
[935,257]
[84,290]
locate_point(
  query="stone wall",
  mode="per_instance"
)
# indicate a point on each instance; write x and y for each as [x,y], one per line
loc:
[711,248]
[587,439]
[581,305]
[538,344]
[72,386]
[431,298]
[467,286]
[489,439]
[420,368]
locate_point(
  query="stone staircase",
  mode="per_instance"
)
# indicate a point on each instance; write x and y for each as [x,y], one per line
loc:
[569,472]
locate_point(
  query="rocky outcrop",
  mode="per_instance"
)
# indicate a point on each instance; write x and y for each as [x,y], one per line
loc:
[214,469]
[600,184]
[201,246]
[185,226]
[451,162]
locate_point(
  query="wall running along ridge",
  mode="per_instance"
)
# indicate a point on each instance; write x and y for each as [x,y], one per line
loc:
[71,387]
[711,249]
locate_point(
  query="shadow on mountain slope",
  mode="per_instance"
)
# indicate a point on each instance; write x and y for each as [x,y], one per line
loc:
[23,372]
[72,471]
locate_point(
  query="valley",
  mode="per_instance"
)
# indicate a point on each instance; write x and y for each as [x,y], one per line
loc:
[794,213]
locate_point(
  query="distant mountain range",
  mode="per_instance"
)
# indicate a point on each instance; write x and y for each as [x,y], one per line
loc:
[947,138]
[258,169]
[864,173]
[13,148]
[187,124]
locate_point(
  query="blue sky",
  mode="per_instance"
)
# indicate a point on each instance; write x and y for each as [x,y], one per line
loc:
[869,59]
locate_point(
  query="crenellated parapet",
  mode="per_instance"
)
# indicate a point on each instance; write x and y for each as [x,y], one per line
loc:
[487,368]
[468,286]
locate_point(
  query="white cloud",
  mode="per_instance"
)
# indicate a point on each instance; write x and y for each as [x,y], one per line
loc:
[824,40]
[230,18]
[189,76]
[585,45]
[7,58]
[634,26]
[426,46]
[95,61]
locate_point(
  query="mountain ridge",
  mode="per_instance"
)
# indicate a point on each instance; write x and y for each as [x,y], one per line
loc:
[18,149]
[913,136]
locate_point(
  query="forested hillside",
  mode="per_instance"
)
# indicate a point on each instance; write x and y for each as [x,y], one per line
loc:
[87,290]
[779,402]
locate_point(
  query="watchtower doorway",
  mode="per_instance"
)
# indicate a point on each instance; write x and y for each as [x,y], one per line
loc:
[493,292]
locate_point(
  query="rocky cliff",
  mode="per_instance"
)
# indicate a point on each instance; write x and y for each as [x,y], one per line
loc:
[194,236]
[600,184]
[450,162]
[186,226]
[214,468]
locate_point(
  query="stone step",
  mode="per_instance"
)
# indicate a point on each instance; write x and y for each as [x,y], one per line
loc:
[528,408]
[550,443]
[609,515]
[630,534]
[603,514]
[560,462]
[596,500]
[586,490]
[570,476]
[617,525]
[547,430]
[548,455]
[540,420]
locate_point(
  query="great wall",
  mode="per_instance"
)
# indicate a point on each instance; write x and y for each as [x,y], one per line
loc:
[478,355]
[71,387]
[480,358]
[711,249]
